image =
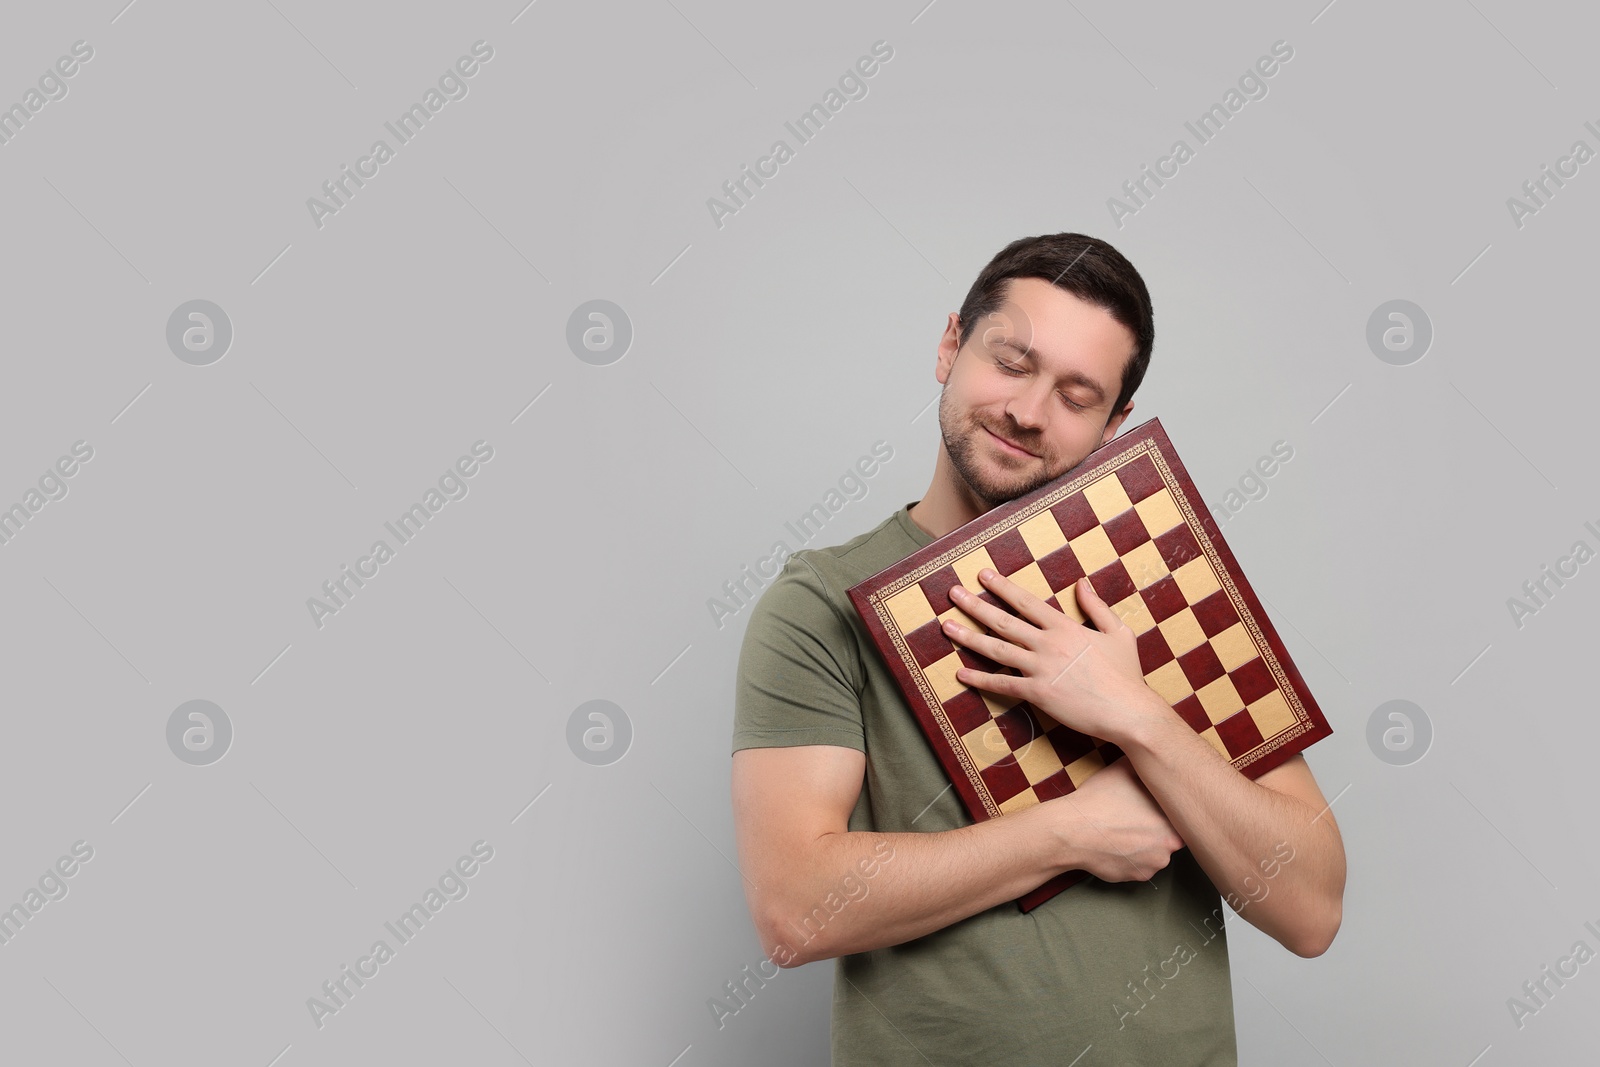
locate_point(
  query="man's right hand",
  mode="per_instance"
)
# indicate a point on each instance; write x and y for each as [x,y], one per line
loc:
[1114,827]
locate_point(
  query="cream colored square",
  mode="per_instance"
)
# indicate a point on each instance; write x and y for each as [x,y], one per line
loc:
[941,674]
[1220,699]
[1234,647]
[1159,512]
[1085,765]
[956,615]
[985,744]
[968,566]
[1042,534]
[1038,760]
[1196,579]
[1135,613]
[1145,565]
[910,608]
[1033,580]
[1182,631]
[1272,715]
[1169,682]
[1107,498]
[997,704]
[1068,599]
[1025,799]
[1210,734]
[1093,549]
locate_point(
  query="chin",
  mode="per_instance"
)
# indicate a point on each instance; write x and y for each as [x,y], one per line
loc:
[995,493]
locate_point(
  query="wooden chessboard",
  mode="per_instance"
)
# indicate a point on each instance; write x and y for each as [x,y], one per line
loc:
[1130,518]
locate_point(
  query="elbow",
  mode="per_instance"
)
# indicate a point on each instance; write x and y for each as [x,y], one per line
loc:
[1317,940]
[780,944]
[1322,921]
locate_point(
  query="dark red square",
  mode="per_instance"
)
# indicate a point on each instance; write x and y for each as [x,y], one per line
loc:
[1005,780]
[1239,733]
[1177,546]
[1070,745]
[966,711]
[1201,665]
[1253,680]
[1009,552]
[1112,582]
[1018,726]
[1215,613]
[928,643]
[1075,516]
[1192,712]
[936,587]
[1164,598]
[1153,650]
[1126,531]
[1061,568]
[1140,478]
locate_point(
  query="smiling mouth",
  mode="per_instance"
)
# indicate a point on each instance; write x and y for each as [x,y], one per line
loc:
[1008,446]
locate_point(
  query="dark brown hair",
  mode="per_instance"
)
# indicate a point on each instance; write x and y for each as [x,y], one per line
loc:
[1084,266]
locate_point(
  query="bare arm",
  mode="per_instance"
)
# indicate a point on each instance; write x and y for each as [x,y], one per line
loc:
[1240,830]
[818,890]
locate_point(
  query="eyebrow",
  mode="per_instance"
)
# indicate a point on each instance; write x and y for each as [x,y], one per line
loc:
[1072,377]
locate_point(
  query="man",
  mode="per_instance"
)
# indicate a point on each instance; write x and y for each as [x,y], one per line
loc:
[852,843]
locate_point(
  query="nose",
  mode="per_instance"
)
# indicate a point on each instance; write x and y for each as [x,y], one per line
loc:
[1027,407]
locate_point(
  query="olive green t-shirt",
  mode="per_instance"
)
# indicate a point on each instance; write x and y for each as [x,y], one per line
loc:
[1139,973]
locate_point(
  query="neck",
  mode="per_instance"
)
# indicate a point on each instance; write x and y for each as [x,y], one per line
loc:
[949,502]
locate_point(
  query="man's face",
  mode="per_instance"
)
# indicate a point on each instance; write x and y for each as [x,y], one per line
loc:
[1030,393]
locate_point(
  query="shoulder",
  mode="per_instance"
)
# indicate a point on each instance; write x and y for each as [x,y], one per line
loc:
[808,600]
[849,562]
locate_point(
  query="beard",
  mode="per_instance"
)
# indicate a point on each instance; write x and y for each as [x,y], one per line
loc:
[965,436]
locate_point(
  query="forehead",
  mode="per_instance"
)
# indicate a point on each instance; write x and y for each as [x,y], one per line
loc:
[1063,329]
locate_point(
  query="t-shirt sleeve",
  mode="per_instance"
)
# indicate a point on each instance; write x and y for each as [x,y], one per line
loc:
[799,677]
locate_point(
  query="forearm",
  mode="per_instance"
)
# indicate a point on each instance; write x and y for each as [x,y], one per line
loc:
[919,883]
[1239,830]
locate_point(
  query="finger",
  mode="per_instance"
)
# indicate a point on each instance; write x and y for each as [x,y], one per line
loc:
[1099,612]
[996,618]
[1028,605]
[1006,685]
[985,645]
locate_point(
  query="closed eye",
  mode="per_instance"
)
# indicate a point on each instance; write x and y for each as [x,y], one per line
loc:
[1016,369]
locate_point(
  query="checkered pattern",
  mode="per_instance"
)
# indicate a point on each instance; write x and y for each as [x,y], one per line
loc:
[1127,532]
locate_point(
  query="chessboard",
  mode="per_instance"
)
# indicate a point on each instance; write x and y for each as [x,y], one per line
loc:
[1130,519]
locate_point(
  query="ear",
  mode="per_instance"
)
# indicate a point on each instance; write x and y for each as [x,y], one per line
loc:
[1115,422]
[949,343]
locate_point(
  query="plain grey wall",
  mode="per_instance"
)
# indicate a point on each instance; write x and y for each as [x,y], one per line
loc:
[373,346]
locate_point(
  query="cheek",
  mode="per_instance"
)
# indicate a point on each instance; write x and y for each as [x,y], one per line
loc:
[1076,449]
[976,404]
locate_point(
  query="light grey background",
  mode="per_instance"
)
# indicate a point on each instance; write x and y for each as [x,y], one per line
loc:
[768,354]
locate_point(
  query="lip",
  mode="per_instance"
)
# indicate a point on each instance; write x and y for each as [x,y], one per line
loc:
[1008,446]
